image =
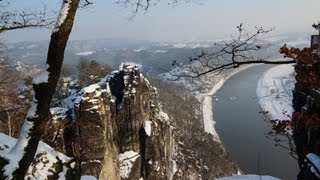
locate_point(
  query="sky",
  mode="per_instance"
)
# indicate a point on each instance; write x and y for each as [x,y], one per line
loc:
[186,21]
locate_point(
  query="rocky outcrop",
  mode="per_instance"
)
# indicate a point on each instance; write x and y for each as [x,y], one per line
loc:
[117,130]
[197,154]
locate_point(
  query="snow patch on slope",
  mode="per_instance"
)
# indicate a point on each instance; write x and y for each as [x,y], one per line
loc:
[16,153]
[58,113]
[46,158]
[147,127]
[126,160]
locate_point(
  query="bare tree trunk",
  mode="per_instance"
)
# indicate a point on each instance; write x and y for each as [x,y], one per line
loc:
[14,164]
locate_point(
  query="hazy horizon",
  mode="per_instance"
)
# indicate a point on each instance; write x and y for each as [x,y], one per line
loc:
[204,20]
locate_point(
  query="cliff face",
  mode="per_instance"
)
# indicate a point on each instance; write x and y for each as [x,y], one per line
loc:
[117,130]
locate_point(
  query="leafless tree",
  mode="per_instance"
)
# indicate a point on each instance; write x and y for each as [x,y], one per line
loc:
[38,114]
[228,54]
[91,72]
[11,104]
[28,18]
[44,86]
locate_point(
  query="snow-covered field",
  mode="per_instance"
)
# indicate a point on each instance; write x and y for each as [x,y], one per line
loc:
[274,91]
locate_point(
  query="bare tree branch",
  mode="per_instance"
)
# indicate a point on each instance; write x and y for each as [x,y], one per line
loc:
[240,50]
[28,18]
[39,113]
[85,3]
[137,5]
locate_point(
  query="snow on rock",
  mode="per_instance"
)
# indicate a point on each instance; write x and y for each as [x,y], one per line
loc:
[163,116]
[58,113]
[91,93]
[248,177]
[43,167]
[62,14]
[16,153]
[174,166]
[134,64]
[42,77]
[131,73]
[274,91]
[91,88]
[69,101]
[62,174]
[147,127]
[126,160]
[6,143]
[32,112]
[315,160]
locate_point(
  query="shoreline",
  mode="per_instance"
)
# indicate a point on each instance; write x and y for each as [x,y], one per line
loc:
[207,103]
[274,91]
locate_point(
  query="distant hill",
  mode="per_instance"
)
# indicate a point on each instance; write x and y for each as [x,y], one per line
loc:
[155,57]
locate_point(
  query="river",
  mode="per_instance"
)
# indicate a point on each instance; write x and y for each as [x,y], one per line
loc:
[242,129]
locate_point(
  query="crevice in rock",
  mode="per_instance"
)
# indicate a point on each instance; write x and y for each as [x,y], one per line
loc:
[117,86]
[142,141]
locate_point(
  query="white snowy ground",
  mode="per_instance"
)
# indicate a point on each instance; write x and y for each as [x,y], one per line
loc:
[274,91]
[44,165]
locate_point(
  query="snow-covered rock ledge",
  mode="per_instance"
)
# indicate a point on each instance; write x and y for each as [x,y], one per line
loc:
[47,163]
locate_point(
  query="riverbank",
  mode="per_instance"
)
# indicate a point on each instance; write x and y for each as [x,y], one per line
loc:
[243,131]
[274,91]
[207,102]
